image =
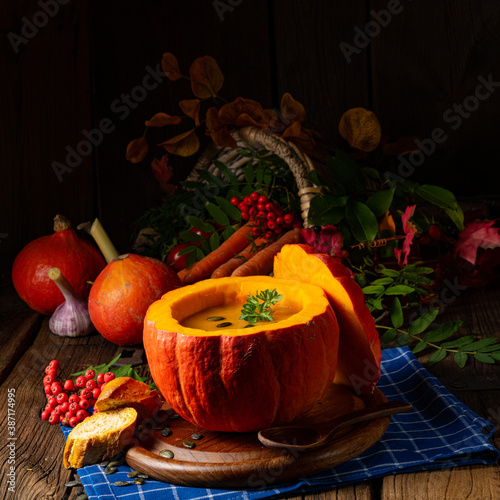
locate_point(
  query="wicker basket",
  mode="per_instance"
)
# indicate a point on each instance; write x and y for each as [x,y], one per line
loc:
[258,140]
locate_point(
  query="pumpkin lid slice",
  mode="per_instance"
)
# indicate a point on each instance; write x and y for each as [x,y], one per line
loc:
[213,307]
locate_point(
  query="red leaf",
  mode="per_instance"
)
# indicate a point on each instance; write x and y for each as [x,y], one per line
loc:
[410,230]
[476,235]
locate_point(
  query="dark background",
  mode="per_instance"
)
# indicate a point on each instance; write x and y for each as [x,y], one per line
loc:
[65,70]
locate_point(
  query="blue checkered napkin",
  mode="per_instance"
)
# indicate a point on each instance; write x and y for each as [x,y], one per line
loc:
[439,432]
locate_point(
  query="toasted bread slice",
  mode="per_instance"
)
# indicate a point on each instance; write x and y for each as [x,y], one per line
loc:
[128,392]
[100,436]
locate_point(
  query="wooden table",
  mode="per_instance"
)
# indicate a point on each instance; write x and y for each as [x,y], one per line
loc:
[28,346]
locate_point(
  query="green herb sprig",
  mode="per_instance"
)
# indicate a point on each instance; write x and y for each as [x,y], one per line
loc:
[258,306]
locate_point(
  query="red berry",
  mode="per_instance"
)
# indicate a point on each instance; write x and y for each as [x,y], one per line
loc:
[48,407]
[82,414]
[54,364]
[260,215]
[47,388]
[92,401]
[271,224]
[235,201]
[91,384]
[45,414]
[435,232]
[271,216]
[269,206]
[256,231]
[254,196]
[288,218]
[56,388]
[64,406]
[47,369]
[69,414]
[279,220]
[48,379]
[269,235]
[247,200]
[89,374]
[245,216]
[260,206]
[101,386]
[100,378]
[69,385]
[62,397]
[73,421]
[108,377]
[96,392]
[85,394]
[73,407]
[57,410]
[81,381]
[242,206]
[263,199]
[84,404]
[53,419]
[74,398]
[52,401]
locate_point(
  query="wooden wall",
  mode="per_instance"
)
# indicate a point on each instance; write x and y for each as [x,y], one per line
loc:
[66,68]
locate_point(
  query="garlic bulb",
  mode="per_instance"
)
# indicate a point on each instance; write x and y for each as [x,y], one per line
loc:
[71,318]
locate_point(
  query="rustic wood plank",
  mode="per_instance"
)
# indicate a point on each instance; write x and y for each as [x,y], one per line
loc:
[368,490]
[428,59]
[38,451]
[15,316]
[44,110]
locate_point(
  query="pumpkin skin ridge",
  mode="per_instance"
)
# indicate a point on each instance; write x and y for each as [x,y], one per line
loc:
[254,363]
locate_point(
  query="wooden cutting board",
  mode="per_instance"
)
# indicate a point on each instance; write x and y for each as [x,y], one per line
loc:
[240,461]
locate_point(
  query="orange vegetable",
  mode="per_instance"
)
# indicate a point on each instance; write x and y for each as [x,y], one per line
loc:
[232,246]
[228,267]
[262,262]
[181,274]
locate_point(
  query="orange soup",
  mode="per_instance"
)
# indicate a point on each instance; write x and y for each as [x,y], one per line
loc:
[227,316]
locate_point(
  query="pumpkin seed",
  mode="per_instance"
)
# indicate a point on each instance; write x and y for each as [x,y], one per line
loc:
[110,470]
[167,453]
[196,436]
[223,325]
[122,483]
[249,326]
[72,484]
[139,481]
[143,476]
[104,464]
[215,318]
[188,444]
[133,474]
[115,463]
[82,495]
[166,432]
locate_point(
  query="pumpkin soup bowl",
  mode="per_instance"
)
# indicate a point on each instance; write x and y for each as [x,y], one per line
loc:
[233,378]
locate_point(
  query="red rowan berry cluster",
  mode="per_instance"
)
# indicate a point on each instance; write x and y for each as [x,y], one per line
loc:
[270,218]
[68,402]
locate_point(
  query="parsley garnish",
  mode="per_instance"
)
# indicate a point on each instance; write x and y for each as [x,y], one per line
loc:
[254,310]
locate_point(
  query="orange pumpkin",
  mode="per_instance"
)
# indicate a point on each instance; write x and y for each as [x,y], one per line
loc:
[242,379]
[359,345]
[122,293]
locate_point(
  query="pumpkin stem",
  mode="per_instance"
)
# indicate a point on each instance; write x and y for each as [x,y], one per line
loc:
[61,223]
[62,283]
[103,242]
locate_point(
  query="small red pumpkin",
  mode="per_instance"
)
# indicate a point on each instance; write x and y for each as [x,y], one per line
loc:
[79,261]
[122,293]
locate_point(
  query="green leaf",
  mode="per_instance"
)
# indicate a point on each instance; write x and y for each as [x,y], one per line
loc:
[226,172]
[418,269]
[362,221]
[495,355]
[397,318]
[197,223]
[419,347]
[417,279]
[389,336]
[327,209]
[187,250]
[210,178]
[422,322]
[229,208]
[460,359]
[227,232]
[389,272]
[458,343]
[442,332]
[383,281]
[404,338]
[484,358]
[373,290]
[493,347]
[190,237]
[436,357]
[219,216]
[444,199]
[380,202]
[377,304]
[214,241]
[248,172]
[479,344]
[399,290]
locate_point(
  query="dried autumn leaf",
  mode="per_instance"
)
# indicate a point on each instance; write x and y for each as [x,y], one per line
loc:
[294,130]
[361,129]
[241,112]
[170,66]
[219,130]
[477,235]
[162,119]
[185,144]
[191,108]
[387,223]
[137,150]
[292,110]
[206,77]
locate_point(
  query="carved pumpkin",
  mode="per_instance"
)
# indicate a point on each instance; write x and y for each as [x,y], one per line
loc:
[359,344]
[241,379]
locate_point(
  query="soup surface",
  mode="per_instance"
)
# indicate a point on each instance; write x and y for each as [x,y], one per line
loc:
[219,318]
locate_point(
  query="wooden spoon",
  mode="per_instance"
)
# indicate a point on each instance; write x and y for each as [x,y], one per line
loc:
[303,438]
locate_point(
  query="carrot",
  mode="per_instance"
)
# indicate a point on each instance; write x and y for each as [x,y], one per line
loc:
[229,248]
[182,273]
[262,262]
[228,267]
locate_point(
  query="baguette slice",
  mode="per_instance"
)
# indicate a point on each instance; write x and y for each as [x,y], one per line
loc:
[126,391]
[98,437]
